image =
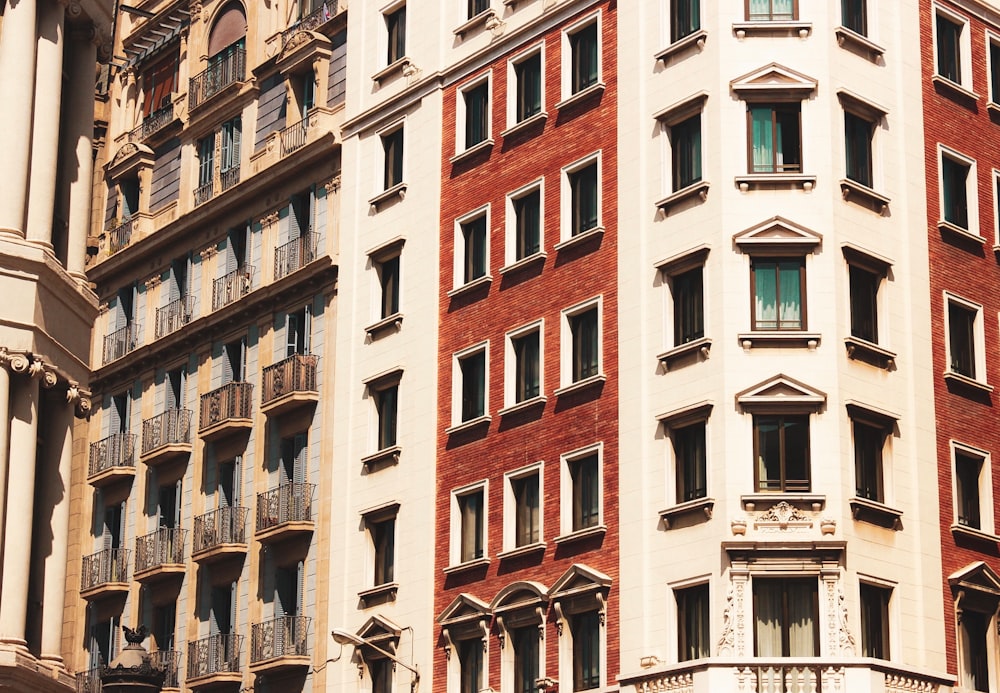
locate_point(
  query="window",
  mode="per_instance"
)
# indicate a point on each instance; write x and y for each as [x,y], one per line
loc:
[772,10]
[386,404]
[690,462]
[471,383]
[958,185]
[476,7]
[968,481]
[206,160]
[685,153]
[949,47]
[395,28]
[380,672]
[383,534]
[471,529]
[585,487]
[392,149]
[685,18]
[388,280]
[584,50]
[526,658]
[778,293]
[524,492]
[688,299]
[963,338]
[858,133]
[869,443]
[864,287]
[781,448]
[230,147]
[875,621]
[526,352]
[993,42]
[528,87]
[854,16]
[974,634]
[470,661]
[693,632]
[158,84]
[586,631]
[474,244]
[524,223]
[584,333]
[584,198]
[786,621]
[474,110]
[775,137]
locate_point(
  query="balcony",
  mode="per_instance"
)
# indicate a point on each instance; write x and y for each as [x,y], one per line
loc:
[289,384]
[122,341]
[281,643]
[220,534]
[214,660]
[229,178]
[311,21]
[119,236]
[295,254]
[294,136]
[89,681]
[174,316]
[223,73]
[152,124]
[170,662]
[226,411]
[232,287]
[160,554]
[104,574]
[166,437]
[285,512]
[204,193]
[112,459]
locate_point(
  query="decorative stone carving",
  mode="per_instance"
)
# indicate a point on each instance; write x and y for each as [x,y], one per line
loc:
[840,641]
[333,185]
[269,219]
[153,282]
[4,357]
[209,252]
[781,517]
[49,379]
[495,26]
[19,363]
[733,620]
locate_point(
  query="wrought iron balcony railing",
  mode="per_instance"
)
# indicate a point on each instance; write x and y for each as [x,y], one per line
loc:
[291,502]
[297,373]
[219,75]
[170,662]
[223,526]
[122,341]
[231,401]
[203,193]
[216,654]
[117,450]
[310,21]
[232,287]
[89,681]
[172,427]
[295,254]
[173,316]
[120,236]
[229,178]
[294,136]
[165,546]
[153,123]
[103,567]
[284,636]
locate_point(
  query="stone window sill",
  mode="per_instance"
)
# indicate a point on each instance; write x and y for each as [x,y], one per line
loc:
[975,534]
[387,591]
[791,339]
[863,350]
[523,262]
[470,424]
[582,95]
[522,406]
[671,356]
[966,381]
[580,385]
[853,191]
[772,28]
[480,21]
[697,39]
[846,38]
[470,152]
[873,512]
[467,565]
[479,283]
[525,124]
[581,238]
[390,455]
[580,534]
[526,550]
[398,190]
[954,88]
[393,69]
[775,180]
[811,501]
[385,324]
[699,190]
[965,234]
[692,507]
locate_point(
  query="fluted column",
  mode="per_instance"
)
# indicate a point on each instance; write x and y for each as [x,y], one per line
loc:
[17,65]
[20,502]
[78,161]
[4,439]
[45,125]
[55,495]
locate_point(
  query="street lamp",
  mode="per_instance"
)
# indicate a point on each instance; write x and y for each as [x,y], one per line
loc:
[343,637]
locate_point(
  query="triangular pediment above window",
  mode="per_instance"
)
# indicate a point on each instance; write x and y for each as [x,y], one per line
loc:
[777,234]
[464,608]
[578,580]
[381,632]
[976,576]
[774,80]
[781,392]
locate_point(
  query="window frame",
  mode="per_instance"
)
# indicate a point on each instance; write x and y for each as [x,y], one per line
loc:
[512,542]
[682,494]
[862,151]
[382,547]
[458,384]
[812,580]
[568,82]
[512,370]
[694,150]
[674,16]
[775,106]
[395,44]
[569,227]
[871,444]
[386,423]
[389,273]
[568,345]
[785,485]
[515,116]
[993,69]
[771,17]
[512,245]
[861,10]
[462,107]
[983,488]
[567,514]
[457,556]
[882,649]
[969,189]
[864,287]
[684,589]
[777,261]
[963,47]
[393,170]
[461,266]
[594,622]
[977,340]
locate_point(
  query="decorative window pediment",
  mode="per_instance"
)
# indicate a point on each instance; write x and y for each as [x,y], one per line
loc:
[774,81]
[302,49]
[579,589]
[978,577]
[465,618]
[781,392]
[777,235]
[380,632]
[519,604]
[129,159]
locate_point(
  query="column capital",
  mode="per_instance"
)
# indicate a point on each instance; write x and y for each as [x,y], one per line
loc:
[79,398]
[333,184]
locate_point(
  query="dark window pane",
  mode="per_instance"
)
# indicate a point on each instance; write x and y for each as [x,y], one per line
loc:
[384,538]
[392,145]
[389,280]
[525,642]
[395,24]
[778,294]
[782,449]
[692,623]
[868,444]
[585,344]
[477,114]
[526,521]
[387,405]
[967,471]
[864,306]
[953,191]
[527,214]
[685,18]
[477,6]
[586,492]
[685,146]
[527,375]
[994,72]
[975,629]
[775,138]
[961,339]
[470,658]
[473,386]
[586,650]
[471,512]
[584,47]
[474,238]
[858,148]
[949,62]
[689,452]
[689,311]
[874,621]
[785,617]
[854,16]
[528,73]
[583,187]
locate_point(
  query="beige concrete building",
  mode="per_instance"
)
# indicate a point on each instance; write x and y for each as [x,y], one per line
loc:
[48,56]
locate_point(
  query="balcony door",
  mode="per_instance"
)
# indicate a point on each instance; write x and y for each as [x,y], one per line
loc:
[174,386]
[229,483]
[298,326]
[168,507]
[222,615]
[114,525]
[119,413]
[236,249]
[786,617]
[234,361]
[103,642]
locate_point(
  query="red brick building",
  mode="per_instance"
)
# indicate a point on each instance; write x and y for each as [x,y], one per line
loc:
[527,545]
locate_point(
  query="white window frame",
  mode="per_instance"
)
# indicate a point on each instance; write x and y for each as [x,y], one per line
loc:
[460,111]
[971,190]
[510,364]
[992,648]
[510,507]
[566,460]
[455,524]
[673,613]
[566,52]
[992,37]
[377,258]
[566,198]
[537,49]
[510,224]
[996,206]
[566,341]
[892,615]
[383,34]
[986,524]
[978,333]
[965,46]
[565,645]
[458,264]
[388,129]
[456,383]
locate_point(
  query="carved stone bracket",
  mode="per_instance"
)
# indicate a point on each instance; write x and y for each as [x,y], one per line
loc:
[153,282]
[333,185]
[209,252]
[269,220]
[840,641]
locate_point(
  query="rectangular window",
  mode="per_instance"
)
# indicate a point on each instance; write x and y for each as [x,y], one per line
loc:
[975,634]
[473,371]
[693,634]
[949,48]
[470,661]
[685,152]
[527,224]
[526,659]
[685,18]
[392,149]
[471,513]
[875,621]
[690,462]
[585,481]
[864,303]
[869,442]
[476,7]
[786,617]
[476,101]
[775,137]
[395,27]
[206,160]
[781,448]
[527,523]
[687,294]
[586,630]
[854,16]
[954,191]
[230,146]
[586,336]
[383,535]
[527,362]
[583,186]
[962,339]
[528,79]
[386,405]
[158,84]
[474,248]
[968,470]
[994,58]
[772,10]
[380,672]
[388,279]
[584,49]
[778,293]
[858,133]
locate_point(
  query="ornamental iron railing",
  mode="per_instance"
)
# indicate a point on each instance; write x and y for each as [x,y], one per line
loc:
[297,373]
[231,401]
[291,502]
[226,525]
[117,450]
[283,636]
[172,427]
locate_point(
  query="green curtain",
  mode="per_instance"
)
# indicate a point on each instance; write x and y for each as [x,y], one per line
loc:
[762,137]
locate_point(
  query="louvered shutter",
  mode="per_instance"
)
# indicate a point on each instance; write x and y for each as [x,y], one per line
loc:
[292,328]
[301,458]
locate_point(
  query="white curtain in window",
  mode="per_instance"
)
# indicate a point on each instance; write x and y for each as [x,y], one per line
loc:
[768,617]
[765,297]
[801,634]
[791,305]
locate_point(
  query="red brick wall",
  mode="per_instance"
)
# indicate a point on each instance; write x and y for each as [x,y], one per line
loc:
[970,270]
[566,278]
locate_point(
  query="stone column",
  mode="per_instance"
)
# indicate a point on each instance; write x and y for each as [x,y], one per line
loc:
[45,128]
[17,64]
[78,159]
[4,439]
[55,496]
[20,501]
